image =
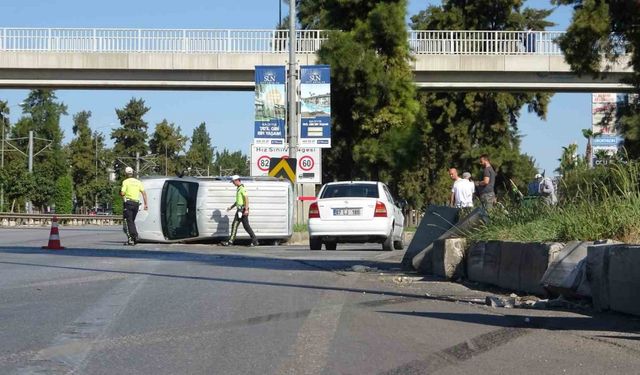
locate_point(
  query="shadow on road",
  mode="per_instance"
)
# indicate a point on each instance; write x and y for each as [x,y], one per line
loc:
[248,260]
[602,322]
[223,260]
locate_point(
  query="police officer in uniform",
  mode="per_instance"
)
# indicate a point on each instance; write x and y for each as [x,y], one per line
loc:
[242,213]
[131,190]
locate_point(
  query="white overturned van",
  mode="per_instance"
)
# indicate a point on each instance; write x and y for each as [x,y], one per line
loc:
[195,209]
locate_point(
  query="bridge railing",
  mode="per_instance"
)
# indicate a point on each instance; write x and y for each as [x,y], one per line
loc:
[264,41]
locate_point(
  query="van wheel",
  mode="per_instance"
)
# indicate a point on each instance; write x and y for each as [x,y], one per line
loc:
[315,243]
[330,245]
[387,245]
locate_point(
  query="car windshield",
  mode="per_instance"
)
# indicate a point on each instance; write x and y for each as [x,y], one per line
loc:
[351,191]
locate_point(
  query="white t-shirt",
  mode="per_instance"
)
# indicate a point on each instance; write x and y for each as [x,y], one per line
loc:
[463,190]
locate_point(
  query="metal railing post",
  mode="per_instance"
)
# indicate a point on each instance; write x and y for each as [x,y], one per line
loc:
[184,41]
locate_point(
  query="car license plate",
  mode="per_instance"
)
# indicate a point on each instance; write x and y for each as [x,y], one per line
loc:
[346,212]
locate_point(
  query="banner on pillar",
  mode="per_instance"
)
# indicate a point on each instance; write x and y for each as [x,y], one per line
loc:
[270,105]
[315,97]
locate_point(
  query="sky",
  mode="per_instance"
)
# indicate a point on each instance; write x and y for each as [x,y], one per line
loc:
[229,115]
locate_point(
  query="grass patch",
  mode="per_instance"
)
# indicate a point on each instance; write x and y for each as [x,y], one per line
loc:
[300,228]
[599,203]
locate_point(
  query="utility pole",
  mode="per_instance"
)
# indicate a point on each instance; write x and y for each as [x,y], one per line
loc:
[30,152]
[4,122]
[137,164]
[291,89]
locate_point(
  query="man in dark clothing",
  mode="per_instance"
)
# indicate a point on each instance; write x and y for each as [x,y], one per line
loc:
[486,184]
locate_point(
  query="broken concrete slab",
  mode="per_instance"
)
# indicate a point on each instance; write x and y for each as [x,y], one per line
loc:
[437,220]
[448,258]
[424,262]
[567,274]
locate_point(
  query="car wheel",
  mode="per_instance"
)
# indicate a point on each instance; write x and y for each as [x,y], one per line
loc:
[331,245]
[387,245]
[315,243]
[398,245]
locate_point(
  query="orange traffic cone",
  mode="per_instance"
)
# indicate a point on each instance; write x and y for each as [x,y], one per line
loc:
[54,236]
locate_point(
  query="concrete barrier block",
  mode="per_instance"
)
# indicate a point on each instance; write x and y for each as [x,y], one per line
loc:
[436,221]
[624,278]
[448,258]
[522,265]
[597,275]
[483,262]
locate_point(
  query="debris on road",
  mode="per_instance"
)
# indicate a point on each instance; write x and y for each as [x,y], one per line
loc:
[532,302]
[407,279]
[506,302]
[362,269]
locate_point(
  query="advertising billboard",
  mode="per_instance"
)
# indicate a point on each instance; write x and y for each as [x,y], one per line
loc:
[315,97]
[270,105]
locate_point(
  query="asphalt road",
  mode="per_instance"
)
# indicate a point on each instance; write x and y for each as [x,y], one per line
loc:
[98,307]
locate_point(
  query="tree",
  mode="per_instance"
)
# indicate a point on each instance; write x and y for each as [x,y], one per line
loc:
[228,163]
[371,75]
[166,142]
[42,116]
[200,155]
[131,137]
[454,129]
[83,159]
[570,161]
[63,197]
[609,29]
[589,135]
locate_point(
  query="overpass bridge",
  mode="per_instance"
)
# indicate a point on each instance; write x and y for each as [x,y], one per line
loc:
[205,59]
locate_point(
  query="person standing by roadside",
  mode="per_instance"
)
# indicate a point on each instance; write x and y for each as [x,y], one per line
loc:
[468,190]
[242,213]
[130,191]
[546,190]
[462,191]
[485,186]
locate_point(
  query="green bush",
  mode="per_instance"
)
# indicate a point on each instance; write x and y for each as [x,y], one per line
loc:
[63,197]
[118,207]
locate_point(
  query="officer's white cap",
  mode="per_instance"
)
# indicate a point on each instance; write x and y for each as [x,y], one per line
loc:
[538,175]
[128,170]
[235,177]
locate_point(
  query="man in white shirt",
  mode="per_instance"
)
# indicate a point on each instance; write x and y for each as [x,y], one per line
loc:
[462,190]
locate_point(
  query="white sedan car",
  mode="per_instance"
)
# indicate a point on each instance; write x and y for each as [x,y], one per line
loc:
[355,211]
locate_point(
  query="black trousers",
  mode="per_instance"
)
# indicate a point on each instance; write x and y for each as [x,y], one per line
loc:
[237,219]
[130,212]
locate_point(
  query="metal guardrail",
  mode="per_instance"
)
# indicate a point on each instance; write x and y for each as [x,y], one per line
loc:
[16,219]
[421,42]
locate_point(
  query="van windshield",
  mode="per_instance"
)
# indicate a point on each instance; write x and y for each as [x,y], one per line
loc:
[358,190]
